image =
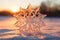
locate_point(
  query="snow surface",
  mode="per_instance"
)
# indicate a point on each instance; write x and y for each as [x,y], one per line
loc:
[8,31]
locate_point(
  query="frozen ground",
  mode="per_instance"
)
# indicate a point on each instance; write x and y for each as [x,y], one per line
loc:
[9,32]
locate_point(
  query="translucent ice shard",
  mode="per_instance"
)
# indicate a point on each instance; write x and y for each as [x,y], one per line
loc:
[30,22]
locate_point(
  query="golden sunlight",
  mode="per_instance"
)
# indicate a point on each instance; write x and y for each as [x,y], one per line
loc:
[14,9]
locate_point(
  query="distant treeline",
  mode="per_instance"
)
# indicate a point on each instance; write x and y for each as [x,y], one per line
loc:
[6,13]
[55,13]
[50,11]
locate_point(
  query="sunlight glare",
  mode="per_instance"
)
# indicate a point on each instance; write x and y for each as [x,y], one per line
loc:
[14,9]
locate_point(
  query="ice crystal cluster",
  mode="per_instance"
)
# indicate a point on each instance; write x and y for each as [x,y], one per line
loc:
[29,21]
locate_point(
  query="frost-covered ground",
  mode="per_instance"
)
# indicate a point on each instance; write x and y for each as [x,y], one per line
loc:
[9,32]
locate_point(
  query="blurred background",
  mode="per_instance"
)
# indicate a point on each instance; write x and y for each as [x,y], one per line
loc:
[49,7]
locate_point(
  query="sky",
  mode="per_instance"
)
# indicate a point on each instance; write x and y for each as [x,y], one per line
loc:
[16,4]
